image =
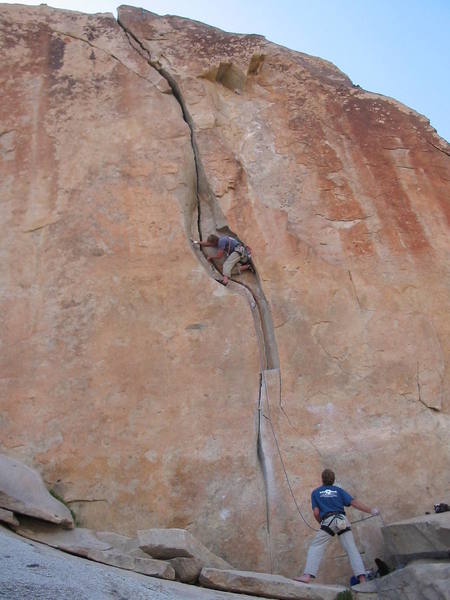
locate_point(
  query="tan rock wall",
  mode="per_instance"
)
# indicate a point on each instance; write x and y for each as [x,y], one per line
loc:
[132,377]
[119,375]
[343,195]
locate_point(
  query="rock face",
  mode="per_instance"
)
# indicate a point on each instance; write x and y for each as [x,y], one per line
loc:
[23,491]
[421,537]
[150,394]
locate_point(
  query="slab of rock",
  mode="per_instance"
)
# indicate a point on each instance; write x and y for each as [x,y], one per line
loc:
[123,543]
[420,580]
[146,566]
[23,491]
[77,541]
[427,536]
[265,585]
[6,516]
[187,570]
[176,543]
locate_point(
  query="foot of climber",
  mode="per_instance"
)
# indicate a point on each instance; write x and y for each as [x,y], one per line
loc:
[303,579]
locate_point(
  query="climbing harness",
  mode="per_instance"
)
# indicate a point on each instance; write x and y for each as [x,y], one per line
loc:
[339,521]
[241,248]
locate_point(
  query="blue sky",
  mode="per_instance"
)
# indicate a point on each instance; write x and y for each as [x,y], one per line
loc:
[399,48]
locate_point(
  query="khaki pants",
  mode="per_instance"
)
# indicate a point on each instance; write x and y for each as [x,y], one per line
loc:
[230,263]
[320,542]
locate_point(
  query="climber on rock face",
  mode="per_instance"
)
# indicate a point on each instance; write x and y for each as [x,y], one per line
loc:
[238,255]
[328,502]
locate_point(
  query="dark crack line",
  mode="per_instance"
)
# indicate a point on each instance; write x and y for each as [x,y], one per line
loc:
[178,96]
[113,56]
[354,288]
[266,341]
[446,152]
[263,466]
[84,500]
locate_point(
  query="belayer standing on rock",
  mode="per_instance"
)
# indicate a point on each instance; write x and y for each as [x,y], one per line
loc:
[328,502]
[238,255]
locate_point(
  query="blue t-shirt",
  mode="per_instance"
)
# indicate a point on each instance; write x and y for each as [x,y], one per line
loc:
[227,244]
[330,498]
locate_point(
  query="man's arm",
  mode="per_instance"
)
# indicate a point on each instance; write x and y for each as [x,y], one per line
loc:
[360,506]
[199,243]
[219,254]
[316,512]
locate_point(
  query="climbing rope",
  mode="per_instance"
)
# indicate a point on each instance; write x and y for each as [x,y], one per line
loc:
[269,418]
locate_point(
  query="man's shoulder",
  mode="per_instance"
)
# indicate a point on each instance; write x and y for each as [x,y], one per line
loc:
[328,490]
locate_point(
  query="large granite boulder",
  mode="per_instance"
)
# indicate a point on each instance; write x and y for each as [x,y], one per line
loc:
[427,536]
[268,586]
[178,543]
[23,491]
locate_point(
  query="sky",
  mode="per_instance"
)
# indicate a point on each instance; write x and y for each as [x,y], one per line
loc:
[399,48]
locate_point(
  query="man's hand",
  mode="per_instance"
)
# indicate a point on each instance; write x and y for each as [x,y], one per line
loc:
[374,512]
[195,242]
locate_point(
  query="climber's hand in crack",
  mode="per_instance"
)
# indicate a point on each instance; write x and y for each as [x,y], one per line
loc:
[225,280]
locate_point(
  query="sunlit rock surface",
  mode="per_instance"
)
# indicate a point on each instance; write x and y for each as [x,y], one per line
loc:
[129,377]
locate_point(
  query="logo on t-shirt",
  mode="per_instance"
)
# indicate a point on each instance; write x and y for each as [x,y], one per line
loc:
[328,493]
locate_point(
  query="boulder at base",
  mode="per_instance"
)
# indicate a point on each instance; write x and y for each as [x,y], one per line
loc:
[186,569]
[427,536]
[420,580]
[6,516]
[263,584]
[146,566]
[174,543]
[23,491]
[77,541]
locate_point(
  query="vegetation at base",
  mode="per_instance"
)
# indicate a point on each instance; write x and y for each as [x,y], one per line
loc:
[61,499]
[347,595]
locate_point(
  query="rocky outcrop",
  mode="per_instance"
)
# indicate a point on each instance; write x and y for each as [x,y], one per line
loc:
[421,580]
[133,378]
[427,536]
[267,586]
[7,517]
[79,541]
[146,566]
[23,491]
[177,543]
[32,570]
[187,569]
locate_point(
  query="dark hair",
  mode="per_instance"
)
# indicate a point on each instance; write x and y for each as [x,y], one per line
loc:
[328,477]
[213,239]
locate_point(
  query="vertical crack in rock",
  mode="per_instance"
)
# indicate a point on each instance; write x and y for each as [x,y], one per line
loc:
[208,210]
